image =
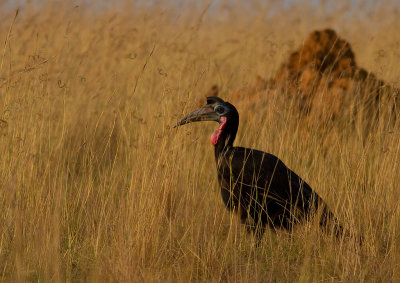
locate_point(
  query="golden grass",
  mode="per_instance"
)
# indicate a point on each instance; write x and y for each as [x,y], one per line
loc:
[96,185]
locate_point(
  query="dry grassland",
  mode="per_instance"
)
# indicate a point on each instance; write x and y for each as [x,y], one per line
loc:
[96,185]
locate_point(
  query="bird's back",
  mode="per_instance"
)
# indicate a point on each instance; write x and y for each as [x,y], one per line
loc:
[260,185]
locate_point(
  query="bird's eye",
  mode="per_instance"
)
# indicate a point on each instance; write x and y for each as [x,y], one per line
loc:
[219,109]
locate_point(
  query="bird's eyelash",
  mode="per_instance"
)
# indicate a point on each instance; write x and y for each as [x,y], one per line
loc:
[219,109]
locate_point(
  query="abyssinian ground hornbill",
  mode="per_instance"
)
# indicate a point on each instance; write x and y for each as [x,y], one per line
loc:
[255,184]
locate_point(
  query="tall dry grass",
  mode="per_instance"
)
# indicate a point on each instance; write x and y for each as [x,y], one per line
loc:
[96,185]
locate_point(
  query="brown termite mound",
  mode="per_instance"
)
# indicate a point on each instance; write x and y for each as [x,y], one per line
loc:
[322,83]
[323,76]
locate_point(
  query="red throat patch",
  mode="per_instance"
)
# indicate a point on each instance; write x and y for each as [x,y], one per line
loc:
[215,136]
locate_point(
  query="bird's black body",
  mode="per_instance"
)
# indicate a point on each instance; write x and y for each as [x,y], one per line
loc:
[255,184]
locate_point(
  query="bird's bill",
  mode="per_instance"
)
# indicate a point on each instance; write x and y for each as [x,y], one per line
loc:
[205,113]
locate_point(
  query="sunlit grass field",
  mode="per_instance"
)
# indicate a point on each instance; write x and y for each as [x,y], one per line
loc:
[96,185]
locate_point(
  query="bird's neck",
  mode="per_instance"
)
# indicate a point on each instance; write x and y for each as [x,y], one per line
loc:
[223,137]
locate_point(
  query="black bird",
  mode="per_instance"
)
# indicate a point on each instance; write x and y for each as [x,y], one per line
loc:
[255,184]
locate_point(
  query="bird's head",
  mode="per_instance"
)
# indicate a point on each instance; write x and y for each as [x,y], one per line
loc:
[216,110]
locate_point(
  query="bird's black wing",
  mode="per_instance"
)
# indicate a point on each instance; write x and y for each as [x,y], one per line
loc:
[271,178]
